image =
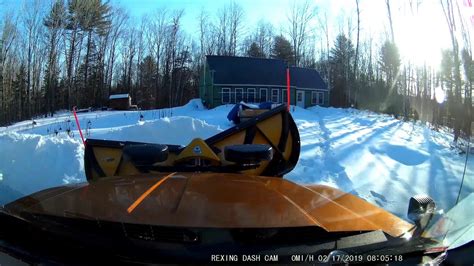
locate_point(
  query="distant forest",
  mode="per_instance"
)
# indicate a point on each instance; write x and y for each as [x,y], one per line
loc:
[58,54]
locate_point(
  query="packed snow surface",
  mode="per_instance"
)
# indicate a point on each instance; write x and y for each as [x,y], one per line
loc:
[376,157]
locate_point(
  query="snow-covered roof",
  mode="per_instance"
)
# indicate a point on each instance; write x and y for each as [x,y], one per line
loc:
[118,96]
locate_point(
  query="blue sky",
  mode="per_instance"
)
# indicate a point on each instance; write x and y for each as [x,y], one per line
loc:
[274,11]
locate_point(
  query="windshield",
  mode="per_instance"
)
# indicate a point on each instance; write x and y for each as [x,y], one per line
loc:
[380,93]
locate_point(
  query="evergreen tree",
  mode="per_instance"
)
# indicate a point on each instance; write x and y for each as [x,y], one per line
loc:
[389,62]
[341,59]
[448,84]
[468,65]
[20,87]
[96,20]
[55,21]
[282,50]
[147,75]
[255,51]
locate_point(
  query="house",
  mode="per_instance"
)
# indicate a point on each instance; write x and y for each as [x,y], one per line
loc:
[120,101]
[230,79]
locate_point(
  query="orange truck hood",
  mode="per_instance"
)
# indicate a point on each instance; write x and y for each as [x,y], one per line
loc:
[212,200]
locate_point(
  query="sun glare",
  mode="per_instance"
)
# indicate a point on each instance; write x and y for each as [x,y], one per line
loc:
[440,95]
[421,37]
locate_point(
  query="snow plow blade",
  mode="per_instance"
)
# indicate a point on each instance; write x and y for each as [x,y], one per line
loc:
[275,128]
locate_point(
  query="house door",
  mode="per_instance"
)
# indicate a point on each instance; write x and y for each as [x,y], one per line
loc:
[300,99]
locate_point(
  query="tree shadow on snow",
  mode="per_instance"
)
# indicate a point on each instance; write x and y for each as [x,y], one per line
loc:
[331,164]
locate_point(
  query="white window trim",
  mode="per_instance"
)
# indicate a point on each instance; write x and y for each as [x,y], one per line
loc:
[283,94]
[321,97]
[278,96]
[242,91]
[302,97]
[222,95]
[251,90]
[266,94]
[313,97]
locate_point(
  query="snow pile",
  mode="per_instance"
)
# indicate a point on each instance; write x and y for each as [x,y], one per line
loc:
[29,163]
[174,130]
[50,153]
[194,104]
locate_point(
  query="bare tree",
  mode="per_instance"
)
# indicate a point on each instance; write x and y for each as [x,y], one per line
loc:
[356,57]
[171,51]
[7,39]
[323,24]
[140,54]
[389,11]
[468,64]
[299,18]
[448,10]
[129,51]
[32,22]
[263,37]
[119,19]
[236,16]
[208,36]
[229,27]
[203,30]
[156,35]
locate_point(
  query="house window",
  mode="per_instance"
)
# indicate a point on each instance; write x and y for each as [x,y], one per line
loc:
[263,95]
[251,95]
[225,95]
[275,96]
[317,97]
[284,96]
[239,95]
[320,98]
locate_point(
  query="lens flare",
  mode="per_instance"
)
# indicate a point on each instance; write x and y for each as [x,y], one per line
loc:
[440,95]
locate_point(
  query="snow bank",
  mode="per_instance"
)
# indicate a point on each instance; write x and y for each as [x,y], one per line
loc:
[32,162]
[29,163]
[194,104]
[175,130]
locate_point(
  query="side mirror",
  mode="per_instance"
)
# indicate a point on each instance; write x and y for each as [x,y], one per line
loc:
[248,153]
[421,209]
[146,154]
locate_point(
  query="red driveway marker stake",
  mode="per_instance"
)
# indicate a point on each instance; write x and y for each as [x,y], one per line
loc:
[288,87]
[78,126]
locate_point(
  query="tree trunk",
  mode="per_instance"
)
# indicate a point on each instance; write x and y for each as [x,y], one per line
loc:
[69,67]
[387,2]
[28,78]
[87,88]
[356,59]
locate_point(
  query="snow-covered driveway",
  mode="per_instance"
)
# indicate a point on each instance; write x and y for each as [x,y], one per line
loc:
[379,158]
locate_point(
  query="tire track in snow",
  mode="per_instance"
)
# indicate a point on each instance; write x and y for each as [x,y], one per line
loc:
[319,157]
